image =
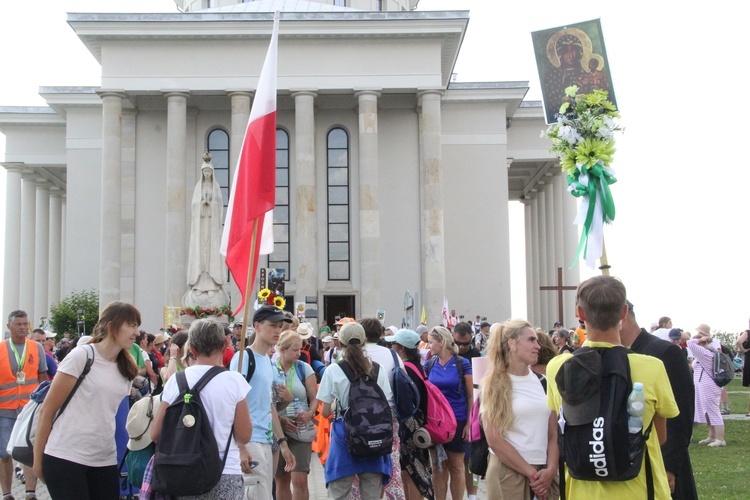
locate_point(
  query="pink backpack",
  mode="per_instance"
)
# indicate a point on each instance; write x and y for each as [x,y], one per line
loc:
[441,422]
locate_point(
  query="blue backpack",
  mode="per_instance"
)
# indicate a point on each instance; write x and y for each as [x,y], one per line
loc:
[405,392]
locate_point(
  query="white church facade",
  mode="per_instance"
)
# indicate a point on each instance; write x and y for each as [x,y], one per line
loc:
[393,181]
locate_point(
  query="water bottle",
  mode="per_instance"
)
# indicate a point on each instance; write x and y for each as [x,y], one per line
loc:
[300,407]
[636,406]
[280,380]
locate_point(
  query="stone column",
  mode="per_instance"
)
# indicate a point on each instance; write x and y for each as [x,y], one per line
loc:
[542,263]
[305,232]
[240,116]
[369,211]
[431,203]
[535,284]
[552,249]
[55,245]
[12,269]
[570,244]
[63,238]
[176,263]
[531,306]
[41,261]
[109,261]
[28,247]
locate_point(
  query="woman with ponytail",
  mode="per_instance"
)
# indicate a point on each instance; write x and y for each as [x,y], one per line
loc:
[453,376]
[83,465]
[521,431]
[341,467]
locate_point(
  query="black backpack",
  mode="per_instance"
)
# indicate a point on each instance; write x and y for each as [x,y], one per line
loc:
[405,392]
[604,450]
[187,460]
[368,421]
[722,371]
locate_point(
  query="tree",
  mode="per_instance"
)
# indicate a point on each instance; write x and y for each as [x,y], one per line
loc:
[64,316]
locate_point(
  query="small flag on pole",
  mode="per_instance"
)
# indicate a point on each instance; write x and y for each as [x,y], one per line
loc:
[446,313]
[423,319]
[248,230]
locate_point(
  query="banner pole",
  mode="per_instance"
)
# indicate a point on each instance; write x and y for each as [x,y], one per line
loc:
[248,290]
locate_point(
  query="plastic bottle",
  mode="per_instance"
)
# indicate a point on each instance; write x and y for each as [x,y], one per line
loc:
[300,407]
[636,406]
[279,381]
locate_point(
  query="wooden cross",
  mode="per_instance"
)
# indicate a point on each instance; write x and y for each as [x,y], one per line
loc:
[559,287]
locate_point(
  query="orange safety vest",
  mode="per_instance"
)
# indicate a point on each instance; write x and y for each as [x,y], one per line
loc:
[12,394]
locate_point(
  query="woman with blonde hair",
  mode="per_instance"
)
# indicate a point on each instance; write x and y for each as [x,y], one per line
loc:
[298,428]
[521,431]
[453,376]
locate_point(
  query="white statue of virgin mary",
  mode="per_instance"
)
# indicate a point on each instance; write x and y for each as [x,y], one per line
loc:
[206,271]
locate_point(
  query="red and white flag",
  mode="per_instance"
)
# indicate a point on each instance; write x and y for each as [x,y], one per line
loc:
[253,193]
[446,313]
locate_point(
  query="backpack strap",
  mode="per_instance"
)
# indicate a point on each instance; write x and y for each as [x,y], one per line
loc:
[86,370]
[429,366]
[344,365]
[206,378]
[395,359]
[250,364]
[300,369]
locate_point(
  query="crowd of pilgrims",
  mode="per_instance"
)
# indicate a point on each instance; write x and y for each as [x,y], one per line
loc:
[285,415]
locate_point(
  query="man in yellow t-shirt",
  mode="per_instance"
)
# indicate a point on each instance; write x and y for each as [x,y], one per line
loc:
[600,302]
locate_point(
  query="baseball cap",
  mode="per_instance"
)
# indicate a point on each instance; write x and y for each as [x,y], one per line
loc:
[270,313]
[237,325]
[404,337]
[422,329]
[344,321]
[675,333]
[578,382]
[352,333]
[50,335]
[485,324]
[327,338]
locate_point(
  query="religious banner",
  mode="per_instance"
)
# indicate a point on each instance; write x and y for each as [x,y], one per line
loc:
[571,55]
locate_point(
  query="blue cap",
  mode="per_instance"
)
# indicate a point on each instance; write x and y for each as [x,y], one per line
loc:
[406,338]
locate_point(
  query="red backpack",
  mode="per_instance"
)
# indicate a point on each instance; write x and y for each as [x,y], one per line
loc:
[441,422]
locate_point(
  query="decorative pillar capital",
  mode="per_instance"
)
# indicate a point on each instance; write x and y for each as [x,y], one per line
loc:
[43,185]
[304,92]
[29,175]
[365,93]
[240,93]
[111,93]
[176,93]
[55,192]
[429,94]
[14,167]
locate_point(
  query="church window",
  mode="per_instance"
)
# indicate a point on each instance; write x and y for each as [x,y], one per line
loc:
[218,146]
[339,248]
[280,258]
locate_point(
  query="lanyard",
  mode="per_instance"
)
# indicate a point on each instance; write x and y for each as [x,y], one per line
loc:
[20,360]
[289,376]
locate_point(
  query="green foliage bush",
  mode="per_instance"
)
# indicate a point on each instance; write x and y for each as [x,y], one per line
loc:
[63,316]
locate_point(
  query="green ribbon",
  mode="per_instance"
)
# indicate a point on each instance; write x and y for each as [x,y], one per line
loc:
[598,181]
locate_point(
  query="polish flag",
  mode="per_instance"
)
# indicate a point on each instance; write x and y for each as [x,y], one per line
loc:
[446,313]
[254,187]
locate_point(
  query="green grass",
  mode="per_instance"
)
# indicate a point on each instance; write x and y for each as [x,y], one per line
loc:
[720,472]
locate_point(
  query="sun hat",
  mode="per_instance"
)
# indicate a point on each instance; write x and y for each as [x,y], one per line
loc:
[305,330]
[351,334]
[138,425]
[327,339]
[704,329]
[160,338]
[392,329]
[578,382]
[405,337]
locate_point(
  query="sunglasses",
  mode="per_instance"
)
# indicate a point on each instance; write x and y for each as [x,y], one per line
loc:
[462,343]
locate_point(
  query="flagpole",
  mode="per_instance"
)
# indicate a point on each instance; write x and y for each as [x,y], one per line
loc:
[248,289]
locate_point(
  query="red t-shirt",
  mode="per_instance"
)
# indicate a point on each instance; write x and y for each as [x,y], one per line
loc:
[227,358]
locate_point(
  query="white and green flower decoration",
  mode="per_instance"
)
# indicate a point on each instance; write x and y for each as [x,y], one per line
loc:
[583,139]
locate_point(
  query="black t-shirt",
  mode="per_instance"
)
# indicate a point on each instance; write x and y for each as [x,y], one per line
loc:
[473,352]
